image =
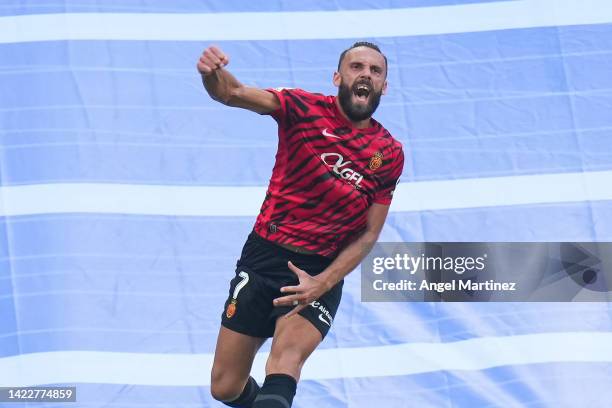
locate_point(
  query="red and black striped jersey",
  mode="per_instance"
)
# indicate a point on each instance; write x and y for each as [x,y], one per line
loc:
[327,173]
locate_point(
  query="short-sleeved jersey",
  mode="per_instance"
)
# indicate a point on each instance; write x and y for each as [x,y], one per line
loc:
[327,174]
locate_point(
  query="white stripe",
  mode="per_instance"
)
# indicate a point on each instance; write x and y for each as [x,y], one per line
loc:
[301,25]
[404,359]
[130,199]
[503,191]
[245,201]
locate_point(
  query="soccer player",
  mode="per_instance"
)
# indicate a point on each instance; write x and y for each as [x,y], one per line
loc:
[328,197]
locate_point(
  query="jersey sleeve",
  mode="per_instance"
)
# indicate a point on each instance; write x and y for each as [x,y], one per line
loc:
[293,105]
[384,194]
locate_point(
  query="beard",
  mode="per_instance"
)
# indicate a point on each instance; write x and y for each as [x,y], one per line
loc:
[357,112]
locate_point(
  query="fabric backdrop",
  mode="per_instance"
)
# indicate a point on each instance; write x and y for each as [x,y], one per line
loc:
[126,193]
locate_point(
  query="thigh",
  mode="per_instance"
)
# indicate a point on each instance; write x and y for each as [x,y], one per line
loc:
[242,332]
[234,356]
[295,338]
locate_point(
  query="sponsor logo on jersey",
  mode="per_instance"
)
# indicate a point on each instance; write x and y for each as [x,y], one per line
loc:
[376,161]
[340,167]
[328,134]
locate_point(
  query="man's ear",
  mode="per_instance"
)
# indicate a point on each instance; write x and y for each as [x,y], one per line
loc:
[337,79]
[384,90]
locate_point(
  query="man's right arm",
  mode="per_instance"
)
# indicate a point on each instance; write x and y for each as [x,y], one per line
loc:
[223,87]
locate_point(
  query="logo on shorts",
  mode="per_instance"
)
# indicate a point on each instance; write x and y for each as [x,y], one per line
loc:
[324,316]
[231,309]
[376,161]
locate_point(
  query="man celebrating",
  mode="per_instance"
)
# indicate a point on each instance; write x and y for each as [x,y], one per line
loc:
[328,197]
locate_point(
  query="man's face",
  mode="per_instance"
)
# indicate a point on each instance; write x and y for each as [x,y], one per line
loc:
[361,82]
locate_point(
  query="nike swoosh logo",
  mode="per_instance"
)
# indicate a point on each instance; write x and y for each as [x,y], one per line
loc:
[321,318]
[326,133]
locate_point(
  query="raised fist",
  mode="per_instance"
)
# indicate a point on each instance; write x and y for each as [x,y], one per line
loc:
[211,60]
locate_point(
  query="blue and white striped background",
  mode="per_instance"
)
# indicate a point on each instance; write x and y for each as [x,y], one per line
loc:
[126,193]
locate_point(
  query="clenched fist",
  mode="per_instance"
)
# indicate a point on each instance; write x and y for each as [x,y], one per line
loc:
[211,60]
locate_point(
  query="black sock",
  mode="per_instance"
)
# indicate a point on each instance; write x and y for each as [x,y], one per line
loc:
[277,391]
[246,399]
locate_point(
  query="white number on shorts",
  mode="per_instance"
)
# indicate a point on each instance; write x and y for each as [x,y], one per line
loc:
[241,284]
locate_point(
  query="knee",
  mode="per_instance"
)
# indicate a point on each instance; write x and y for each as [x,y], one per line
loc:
[224,387]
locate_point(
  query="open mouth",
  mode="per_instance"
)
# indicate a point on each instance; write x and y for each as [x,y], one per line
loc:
[362,91]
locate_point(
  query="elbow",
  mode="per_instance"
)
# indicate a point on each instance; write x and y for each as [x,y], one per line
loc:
[226,95]
[368,239]
[371,235]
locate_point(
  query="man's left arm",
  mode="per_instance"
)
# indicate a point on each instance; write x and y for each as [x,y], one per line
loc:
[311,288]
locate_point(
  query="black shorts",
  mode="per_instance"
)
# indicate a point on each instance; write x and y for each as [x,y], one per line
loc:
[260,273]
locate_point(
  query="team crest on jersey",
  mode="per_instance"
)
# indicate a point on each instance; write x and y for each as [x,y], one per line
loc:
[231,309]
[376,161]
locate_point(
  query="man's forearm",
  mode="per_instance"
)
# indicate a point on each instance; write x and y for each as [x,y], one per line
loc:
[221,85]
[348,259]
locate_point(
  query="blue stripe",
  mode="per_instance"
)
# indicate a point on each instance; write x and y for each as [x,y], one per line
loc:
[130,280]
[480,110]
[138,324]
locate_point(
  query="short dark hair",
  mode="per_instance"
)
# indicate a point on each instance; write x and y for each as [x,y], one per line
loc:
[362,44]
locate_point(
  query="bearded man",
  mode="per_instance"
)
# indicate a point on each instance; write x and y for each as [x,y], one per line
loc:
[328,198]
